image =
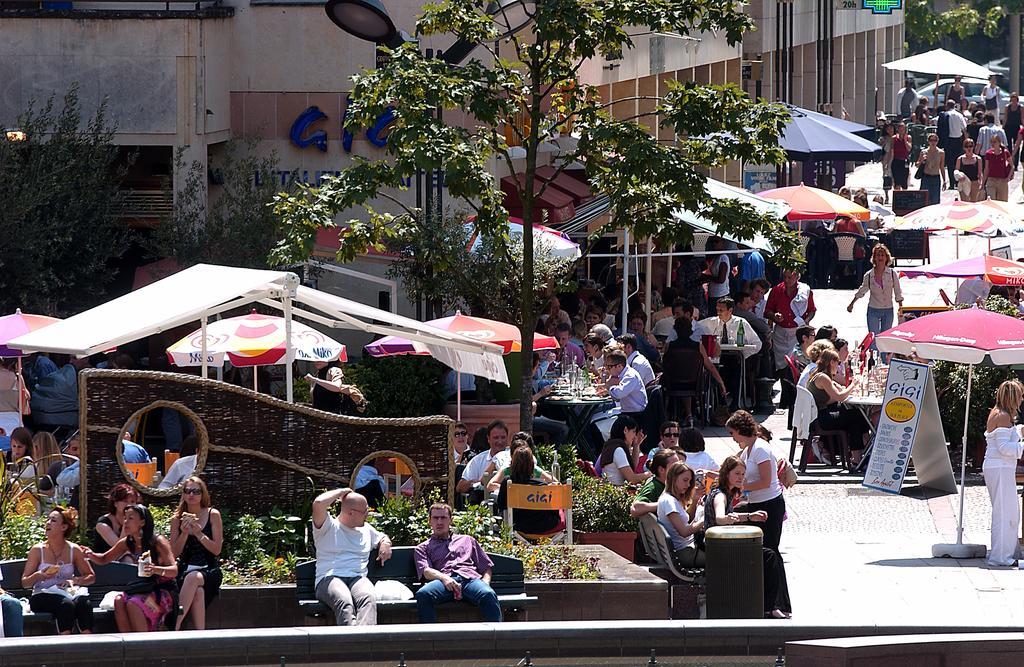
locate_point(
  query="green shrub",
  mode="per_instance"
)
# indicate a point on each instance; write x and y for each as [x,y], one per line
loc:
[18,533]
[600,507]
[161,519]
[243,540]
[399,386]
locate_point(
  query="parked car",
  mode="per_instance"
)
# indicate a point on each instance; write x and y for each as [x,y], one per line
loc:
[972,89]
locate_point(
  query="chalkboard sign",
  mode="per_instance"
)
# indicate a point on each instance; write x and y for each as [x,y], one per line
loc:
[908,244]
[905,201]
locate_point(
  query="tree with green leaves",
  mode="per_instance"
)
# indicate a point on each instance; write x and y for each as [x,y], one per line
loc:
[436,266]
[926,26]
[60,189]
[235,225]
[533,74]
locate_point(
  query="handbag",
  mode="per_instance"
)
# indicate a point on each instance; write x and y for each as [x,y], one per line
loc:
[787,474]
[919,174]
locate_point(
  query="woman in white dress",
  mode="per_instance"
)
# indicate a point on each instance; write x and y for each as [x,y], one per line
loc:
[1004,447]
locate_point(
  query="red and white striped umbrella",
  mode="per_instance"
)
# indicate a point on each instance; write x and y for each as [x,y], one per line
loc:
[253,340]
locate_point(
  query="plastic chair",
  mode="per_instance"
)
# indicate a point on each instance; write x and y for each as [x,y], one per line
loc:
[142,472]
[700,242]
[169,458]
[846,251]
[540,497]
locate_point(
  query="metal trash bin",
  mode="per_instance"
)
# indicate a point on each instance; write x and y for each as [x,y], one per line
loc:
[734,573]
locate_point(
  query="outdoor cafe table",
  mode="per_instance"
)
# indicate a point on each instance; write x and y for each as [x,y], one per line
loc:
[737,349]
[578,413]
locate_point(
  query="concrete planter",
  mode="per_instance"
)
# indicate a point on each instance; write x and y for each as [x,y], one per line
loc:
[624,544]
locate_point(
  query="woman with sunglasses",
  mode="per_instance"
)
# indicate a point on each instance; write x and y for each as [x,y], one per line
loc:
[197,536]
[969,164]
[460,444]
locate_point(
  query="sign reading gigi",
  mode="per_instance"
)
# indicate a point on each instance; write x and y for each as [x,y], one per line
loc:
[302,134]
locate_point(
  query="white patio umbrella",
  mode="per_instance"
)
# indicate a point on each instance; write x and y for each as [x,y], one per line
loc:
[939,61]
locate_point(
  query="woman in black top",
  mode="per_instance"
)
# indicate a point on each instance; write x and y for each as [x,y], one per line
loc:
[197,535]
[109,527]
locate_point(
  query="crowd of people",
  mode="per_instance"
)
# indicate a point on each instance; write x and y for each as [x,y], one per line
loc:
[974,148]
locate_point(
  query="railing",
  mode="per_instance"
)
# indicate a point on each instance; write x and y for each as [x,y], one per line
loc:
[149,205]
[110,5]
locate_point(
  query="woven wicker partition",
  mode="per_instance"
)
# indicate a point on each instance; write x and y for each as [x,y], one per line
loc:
[255,451]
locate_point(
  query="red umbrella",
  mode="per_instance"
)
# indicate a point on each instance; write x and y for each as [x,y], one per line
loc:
[477,328]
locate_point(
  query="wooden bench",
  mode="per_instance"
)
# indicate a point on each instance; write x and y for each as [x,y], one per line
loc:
[110,577]
[506,580]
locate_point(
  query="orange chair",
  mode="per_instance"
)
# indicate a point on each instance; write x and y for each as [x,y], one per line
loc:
[169,458]
[545,497]
[143,472]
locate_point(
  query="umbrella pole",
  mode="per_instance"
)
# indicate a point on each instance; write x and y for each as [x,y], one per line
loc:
[21,408]
[255,387]
[202,335]
[458,396]
[961,550]
[963,459]
[289,351]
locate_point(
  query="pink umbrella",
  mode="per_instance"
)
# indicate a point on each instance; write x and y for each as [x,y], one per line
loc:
[966,336]
[995,270]
[14,325]
[477,328]
[17,324]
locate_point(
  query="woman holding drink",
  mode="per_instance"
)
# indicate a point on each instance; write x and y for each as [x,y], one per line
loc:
[144,606]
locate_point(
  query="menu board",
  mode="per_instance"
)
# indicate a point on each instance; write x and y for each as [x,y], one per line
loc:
[909,429]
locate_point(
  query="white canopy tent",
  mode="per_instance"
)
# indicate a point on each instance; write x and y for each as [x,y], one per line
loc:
[939,61]
[204,290]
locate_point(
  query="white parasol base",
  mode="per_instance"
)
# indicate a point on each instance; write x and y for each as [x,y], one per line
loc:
[959,551]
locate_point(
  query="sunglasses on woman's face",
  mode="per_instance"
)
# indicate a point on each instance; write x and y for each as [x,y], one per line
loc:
[192,492]
[461,434]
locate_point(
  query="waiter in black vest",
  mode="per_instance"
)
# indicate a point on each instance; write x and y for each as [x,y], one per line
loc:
[331,394]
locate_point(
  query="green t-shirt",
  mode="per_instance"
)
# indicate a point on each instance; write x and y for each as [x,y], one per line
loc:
[538,474]
[650,491]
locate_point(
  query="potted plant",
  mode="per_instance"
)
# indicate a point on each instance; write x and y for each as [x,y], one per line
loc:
[600,515]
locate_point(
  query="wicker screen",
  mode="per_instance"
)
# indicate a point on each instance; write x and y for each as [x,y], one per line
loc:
[255,451]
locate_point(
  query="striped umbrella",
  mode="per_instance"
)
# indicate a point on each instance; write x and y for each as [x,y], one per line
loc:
[809,203]
[477,328]
[17,324]
[254,340]
[979,218]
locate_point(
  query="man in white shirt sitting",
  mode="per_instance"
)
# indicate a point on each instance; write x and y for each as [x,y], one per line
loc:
[683,308]
[482,466]
[634,359]
[624,385]
[343,546]
[726,328]
[183,468]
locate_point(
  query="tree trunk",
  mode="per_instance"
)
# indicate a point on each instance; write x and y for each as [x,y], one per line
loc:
[529,310]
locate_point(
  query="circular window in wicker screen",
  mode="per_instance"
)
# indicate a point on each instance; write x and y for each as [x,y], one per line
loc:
[162,444]
[386,474]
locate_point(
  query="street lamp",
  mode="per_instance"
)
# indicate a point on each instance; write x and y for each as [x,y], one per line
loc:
[369,20]
[15,134]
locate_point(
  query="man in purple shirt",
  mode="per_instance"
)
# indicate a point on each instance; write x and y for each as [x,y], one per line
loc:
[455,568]
[567,349]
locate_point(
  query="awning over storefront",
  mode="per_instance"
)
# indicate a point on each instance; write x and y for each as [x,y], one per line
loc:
[574,187]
